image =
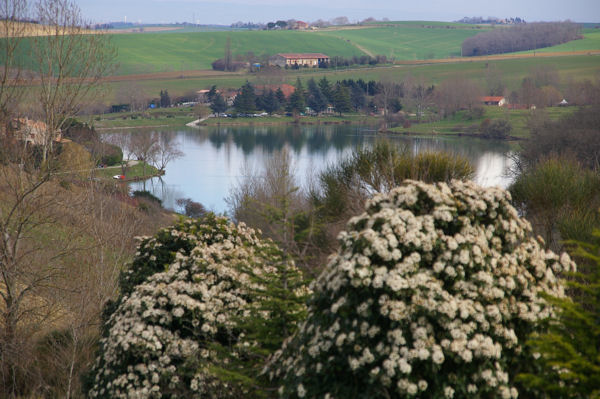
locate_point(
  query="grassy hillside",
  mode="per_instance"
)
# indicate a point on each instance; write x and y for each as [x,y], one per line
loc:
[411,40]
[161,52]
[590,41]
[513,71]
[407,42]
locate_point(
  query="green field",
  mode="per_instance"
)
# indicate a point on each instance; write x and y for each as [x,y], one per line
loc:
[180,50]
[590,41]
[407,42]
[513,71]
[434,24]
[161,52]
[460,124]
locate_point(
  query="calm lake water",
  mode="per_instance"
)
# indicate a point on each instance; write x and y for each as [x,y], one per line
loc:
[216,158]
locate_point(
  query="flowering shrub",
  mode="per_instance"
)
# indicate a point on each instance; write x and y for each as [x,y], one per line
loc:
[432,294]
[185,299]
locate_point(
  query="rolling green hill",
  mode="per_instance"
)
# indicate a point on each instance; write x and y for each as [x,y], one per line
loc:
[590,41]
[407,42]
[161,52]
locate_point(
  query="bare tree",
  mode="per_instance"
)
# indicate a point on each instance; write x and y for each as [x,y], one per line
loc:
[71,61]
[494,81]
[455,94]
[143,145]
[418,94]
[34,247]
[165,150]
[12,32]
[132,94]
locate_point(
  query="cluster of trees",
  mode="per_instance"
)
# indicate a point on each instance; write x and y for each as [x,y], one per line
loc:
[344,96]
[557,187]
[520,38]
[492,20]
[339,61]
[132,97]
[306,222]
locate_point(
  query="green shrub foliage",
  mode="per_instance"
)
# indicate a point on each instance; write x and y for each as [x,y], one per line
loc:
[432,294]
[569,352]
[199,306]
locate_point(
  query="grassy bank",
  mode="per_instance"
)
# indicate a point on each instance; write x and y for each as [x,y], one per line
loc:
[460,124]
[284,120]
[179,117]
[162,117]
[139,171]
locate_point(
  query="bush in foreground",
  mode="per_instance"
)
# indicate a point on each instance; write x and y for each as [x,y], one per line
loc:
[569,361]
[184,325]
[432,294]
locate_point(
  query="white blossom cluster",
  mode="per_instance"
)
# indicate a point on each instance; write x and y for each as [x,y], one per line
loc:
[163,338]
[432,294]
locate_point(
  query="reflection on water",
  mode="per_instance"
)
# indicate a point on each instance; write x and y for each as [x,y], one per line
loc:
[217,157]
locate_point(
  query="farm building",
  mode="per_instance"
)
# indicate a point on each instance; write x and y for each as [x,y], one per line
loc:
[301,25]
[299,59]
[494,100]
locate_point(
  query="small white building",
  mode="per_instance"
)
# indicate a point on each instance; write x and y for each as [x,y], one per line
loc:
[299,59]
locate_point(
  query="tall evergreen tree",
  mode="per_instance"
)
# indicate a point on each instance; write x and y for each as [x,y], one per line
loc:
[211,93]
[269,102]
[245,101]
[297,102]
[165,100]
[280,96]
[315,99]
[326,89]
[357,97]
[570,350]
[218,105]
[341,99]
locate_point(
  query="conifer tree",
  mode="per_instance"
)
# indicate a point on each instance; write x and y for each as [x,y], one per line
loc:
[211,93]
[316,100]
[326,89]
[297,102]
[245,102]
[218,105]
[570,350]
[280,96]
[269,102]
[341,99]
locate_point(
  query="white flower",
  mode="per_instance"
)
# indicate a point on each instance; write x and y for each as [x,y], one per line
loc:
[449,392]
[301,391]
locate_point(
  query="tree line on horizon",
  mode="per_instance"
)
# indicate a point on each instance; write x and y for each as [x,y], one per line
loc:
[521,37]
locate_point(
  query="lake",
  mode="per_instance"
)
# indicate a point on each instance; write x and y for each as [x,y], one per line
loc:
[216,158]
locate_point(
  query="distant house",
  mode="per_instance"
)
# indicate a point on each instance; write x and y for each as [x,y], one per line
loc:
[494,100]
[301,25]
[285,88]
[34,132]
[299,59]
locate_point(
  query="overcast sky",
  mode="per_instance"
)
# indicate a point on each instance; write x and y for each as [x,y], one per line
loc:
[229,11]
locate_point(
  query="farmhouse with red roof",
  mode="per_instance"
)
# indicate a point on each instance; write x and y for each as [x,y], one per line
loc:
[494,100]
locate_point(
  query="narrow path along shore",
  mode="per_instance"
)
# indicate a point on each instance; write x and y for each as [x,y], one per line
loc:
[197,122]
